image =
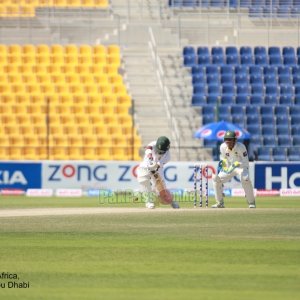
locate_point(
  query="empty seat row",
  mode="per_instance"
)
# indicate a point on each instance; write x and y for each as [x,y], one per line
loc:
[278,153]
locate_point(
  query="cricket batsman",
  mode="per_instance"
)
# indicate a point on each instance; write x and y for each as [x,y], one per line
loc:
[233,161]
[150,173]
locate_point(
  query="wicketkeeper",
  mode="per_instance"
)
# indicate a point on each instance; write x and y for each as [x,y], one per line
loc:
[150,173]
[233,161]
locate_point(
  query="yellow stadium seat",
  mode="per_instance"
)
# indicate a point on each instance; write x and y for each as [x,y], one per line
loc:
[89,141]
[60,3]
[99,61]
[124,100]
[7,98]
[103,153]
[6,110]
[74,153]
[70,130]
[14,59]
[27,11]
[75,141]
[23,119]
[62,89]
[4,142]
[26,130]
[42,49]
[40,69]
[104,141]
[43,78]
[86,79]
[20,109]
[32,88]
[41,130]
[31,141]
[80,98]
[17,88]
[28,60]
[16,141]
[38,119]
[4,153]
[29,78]
[71,50]
[58,141]
[67,120]
[85,50]
[3,50]
[85,60]
[83,69]
[29,153]
[15,49]
[74,3]
[15,153]
[68,69]
[4,88]
[113,50]
[58,78]
[121,110]
[41,152]
[86,129]
[77,109]
[89,153]
[43,60]
[91,89]
[58,153]
[37,98]
[88,3]
[14,78]
[47,88]
[99,50]
[11,68]
[65,99]
[28,50]
[72,79]
[56,129]
[111,69]
[81,119]
[57,50]
[99,130]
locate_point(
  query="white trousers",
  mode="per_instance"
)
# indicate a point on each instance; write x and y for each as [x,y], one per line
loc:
[223,177]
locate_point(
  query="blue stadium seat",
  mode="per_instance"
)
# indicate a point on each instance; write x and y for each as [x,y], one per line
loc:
[256,80]
[267,121]
[228,90]
[214,94]
[281,121]
[256,100]
[217,51]
[275,60]
[289,61]
[176,3]
[246,50]
[247,60]
[295,131]
[269,11]
[267,110]
[285,100]
[241,70]
[270,80]
[232,60]
[258,3]
[241,79]
[255,141]
[269,140]
[243,90]
[227,79]
[296,140]
[281,111]
[284,70]
[231,51]
[284,141]
[199,89]
[237,110]
[260,50]
[282,131]
[190,3]
[208,110]
[271,70]
[258,90]
[254,129]
[296,80]
[227,99]
[189,50]
[218,60]
[189,60]
[296,70]
[198,79]
[264,154]
[250,122]
[198,100]
[285,80]
[272,90]
[245,3]
[242,99]
[212,79]
[256,70]
[293,154]
[203,51]
[256,12]
[295,111]
[274,51]
[238,120]
[279,154]
[261,60]
[223,111]
[212,70]
[252,111]
[228,70]
[198,70]
[208,119]
[203,60]
[271,99]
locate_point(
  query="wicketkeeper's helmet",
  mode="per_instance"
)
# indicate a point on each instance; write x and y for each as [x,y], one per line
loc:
[162,145]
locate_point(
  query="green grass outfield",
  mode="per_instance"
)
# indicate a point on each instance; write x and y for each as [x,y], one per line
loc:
[155,254]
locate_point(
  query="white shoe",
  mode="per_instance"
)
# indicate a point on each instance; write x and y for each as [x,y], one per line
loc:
[150,205]
[218,205]
[252,206]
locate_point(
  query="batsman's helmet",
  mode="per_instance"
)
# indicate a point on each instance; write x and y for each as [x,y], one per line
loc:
[162,145]
[229,135]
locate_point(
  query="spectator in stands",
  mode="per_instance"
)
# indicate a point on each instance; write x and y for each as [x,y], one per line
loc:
[233,161]
[150,173]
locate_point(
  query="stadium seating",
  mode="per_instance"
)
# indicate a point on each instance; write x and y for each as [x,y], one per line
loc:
[264,93]
[256,8]
[26,8]
[66,105]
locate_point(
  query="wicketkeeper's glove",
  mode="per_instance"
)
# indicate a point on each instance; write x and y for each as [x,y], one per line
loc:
[235,165]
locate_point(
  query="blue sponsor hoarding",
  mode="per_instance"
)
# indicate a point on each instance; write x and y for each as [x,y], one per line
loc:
[275,176]
[20,175]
